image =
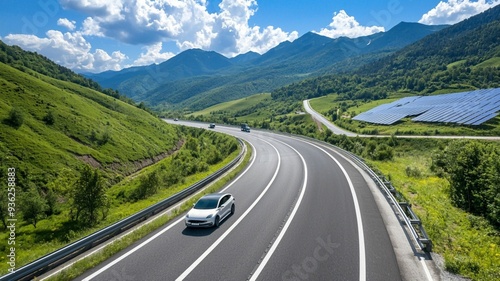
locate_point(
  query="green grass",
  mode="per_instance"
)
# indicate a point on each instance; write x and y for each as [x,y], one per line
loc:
[82,118]
[89,262]
[403,127]
[456,63]
[50,235]
[326,103]
[469,245]
[493,62]
[236,105]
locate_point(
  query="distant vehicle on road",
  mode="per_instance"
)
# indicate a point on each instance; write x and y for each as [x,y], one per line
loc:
[210,210]
[176,119]
[211,126]
[245,127]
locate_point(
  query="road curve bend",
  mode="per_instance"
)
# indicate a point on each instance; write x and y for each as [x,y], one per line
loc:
[303,212]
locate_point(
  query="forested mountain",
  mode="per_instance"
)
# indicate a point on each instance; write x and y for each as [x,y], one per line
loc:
[196,79]
[463,56]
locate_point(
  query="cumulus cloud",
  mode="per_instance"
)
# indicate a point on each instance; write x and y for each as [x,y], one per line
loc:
[152,55]
[454,11]
[344,25]
[68,49]
[150,23]
[71,25]
[188,23]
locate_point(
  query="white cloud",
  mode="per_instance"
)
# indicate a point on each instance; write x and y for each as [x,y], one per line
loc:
[187,22]
[344,25]
[68,49]
[71,25]
[454,11]
[91,28]
[153,55]
[150,23]
[234,35]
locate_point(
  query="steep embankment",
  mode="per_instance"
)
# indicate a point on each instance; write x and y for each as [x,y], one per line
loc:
[47,125]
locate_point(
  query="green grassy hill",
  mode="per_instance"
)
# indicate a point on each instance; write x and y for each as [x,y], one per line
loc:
[66,125]
[51,129]
[235,105]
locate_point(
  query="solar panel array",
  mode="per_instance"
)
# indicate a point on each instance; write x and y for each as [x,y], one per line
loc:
[467,108]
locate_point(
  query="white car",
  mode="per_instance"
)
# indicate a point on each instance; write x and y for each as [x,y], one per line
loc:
[210,210]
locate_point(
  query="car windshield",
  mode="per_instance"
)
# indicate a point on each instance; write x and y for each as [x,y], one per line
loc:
[206,203]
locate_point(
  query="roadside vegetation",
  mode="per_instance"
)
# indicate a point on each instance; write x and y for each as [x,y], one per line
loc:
[466,236]
[429,173]
[340,112]
[90,203]
[84,159]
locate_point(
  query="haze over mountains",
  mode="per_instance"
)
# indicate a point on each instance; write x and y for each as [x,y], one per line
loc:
[196,79]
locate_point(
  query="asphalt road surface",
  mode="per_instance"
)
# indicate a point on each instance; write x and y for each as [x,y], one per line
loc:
[302,213]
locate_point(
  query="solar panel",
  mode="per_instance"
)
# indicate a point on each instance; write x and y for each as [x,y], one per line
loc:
[470,108]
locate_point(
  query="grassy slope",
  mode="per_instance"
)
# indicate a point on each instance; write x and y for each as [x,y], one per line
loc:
[78,111]
[235,105]
[49,155]
[469,245]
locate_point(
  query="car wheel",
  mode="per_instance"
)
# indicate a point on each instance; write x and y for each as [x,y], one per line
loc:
[217,221]
[232,209]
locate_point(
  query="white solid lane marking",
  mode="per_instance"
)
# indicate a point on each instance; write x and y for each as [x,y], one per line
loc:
[361,236]
[223,236]
[106,267]
[287,224]
[426,270]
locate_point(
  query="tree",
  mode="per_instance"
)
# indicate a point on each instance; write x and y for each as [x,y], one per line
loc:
[32,205]
[49,119]
[16,118]
[148,186]
[89,196]
[51,199]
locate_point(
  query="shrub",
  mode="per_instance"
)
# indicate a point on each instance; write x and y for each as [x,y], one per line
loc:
[16,118]
[413,172]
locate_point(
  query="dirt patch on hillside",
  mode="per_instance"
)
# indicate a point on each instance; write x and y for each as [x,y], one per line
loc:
[88,159]
[128,168]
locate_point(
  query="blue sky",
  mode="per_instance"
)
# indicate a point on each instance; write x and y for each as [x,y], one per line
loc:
[100,35]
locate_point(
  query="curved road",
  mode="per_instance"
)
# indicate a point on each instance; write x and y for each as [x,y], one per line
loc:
[302,213]
[339,131]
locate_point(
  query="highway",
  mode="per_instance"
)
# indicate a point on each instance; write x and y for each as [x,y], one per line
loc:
[303,212]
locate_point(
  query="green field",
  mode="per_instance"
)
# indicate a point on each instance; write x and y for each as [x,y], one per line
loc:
[325,105]
[85,124]
[493,62]
[234,106]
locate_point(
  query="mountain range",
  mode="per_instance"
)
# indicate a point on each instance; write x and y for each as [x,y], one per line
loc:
[196,79]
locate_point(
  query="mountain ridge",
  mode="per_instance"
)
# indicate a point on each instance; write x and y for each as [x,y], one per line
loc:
[310,54]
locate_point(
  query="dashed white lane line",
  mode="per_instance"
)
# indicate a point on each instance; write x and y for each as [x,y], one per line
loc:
[106,267]
[223,236]
[287,224]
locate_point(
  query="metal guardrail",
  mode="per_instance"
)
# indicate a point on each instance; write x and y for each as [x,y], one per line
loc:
[56,258]
[410,218]
[403,208]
